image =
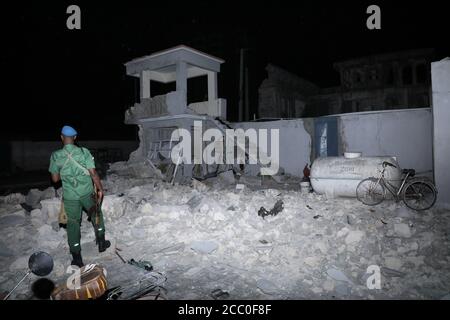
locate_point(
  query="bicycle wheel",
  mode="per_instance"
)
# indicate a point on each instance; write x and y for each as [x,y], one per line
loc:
[419,195]
[370,192]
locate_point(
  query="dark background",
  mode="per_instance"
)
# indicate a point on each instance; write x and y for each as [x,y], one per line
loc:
[52,76]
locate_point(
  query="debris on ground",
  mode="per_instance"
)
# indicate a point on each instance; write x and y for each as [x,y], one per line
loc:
[209,238]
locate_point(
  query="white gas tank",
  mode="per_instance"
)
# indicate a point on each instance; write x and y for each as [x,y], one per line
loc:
[339,176]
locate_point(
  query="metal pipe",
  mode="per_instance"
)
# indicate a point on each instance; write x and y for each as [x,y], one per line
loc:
[28,273]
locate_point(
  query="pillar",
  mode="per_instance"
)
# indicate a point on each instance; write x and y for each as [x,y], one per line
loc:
[440,84]
[181,79]
[145,84]
[212,86]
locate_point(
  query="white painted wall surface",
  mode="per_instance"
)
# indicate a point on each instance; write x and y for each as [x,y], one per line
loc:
[440,77]
[295,143]
[405,134]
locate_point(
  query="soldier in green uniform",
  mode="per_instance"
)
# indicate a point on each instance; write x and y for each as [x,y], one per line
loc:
[75,167]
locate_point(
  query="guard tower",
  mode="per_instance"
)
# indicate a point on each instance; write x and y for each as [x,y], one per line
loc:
[158,116]
[175,65]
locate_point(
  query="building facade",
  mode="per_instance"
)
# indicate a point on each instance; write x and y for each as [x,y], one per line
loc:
[379,82]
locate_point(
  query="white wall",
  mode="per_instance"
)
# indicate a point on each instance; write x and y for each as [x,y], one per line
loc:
[35,155]
[405,134]
[295,143]
[440,77]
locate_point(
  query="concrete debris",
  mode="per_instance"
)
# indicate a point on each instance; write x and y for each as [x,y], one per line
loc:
[393,263]
[392,273]
[250,181]
[228,177]
[13,198]
[354,237]
[338,275]
[12,220]
[204,246]
[207,235]
[267,286]
[5,251]
[33,198]
[199,186]
[402,230]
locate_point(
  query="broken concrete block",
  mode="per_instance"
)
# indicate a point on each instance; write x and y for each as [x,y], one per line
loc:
[391,272]
[48,193]
[5,251]
[13,198]
[338,275]
[12,220]
[250,181]
[50,209]
[342,289]
[404,212]
[194,202]
[33,198]
[354,237]
[20,264]
[402,230]
[204,246]
[393,263]
[266,286]
[228,176]
[199,186]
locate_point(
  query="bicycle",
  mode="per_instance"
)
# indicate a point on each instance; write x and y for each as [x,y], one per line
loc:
[417,193]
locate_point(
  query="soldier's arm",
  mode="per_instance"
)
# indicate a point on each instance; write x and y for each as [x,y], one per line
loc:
[56,177]
[97,183]
[53,169]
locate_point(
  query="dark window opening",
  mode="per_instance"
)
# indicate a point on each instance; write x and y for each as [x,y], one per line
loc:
[197,89]
[407,75]
[421,73]
[357,77]
[159,88]
[390,76]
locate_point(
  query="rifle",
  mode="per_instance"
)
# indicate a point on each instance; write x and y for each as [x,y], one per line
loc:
[94,213]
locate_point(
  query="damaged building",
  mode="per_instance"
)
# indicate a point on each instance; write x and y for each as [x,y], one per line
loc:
[158,116]
[378,82]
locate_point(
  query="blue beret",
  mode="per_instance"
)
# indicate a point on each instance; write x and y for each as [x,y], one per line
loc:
[68,131]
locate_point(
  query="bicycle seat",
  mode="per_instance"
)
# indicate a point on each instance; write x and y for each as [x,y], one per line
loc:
[411,172]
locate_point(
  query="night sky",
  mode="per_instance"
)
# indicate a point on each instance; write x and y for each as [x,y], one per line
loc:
[53,76]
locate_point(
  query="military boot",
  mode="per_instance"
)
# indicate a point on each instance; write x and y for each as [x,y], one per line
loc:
[77,260]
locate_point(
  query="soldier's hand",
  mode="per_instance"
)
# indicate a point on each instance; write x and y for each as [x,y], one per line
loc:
[99,196]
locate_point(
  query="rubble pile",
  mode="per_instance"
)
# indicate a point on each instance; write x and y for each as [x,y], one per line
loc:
[208,236]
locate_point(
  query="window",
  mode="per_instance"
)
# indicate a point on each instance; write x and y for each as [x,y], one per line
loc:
[373,75]
[390,76]
[421,73]
[407,75]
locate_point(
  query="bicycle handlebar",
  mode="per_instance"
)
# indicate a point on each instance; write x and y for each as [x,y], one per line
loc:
[385,164]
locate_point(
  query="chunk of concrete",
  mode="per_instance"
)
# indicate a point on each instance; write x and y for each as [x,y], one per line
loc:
[33,198]
[354,237]
[228,177]
[338,275]
[5,251]
[12,220]
[402,230]
[204,246]
[266,286]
